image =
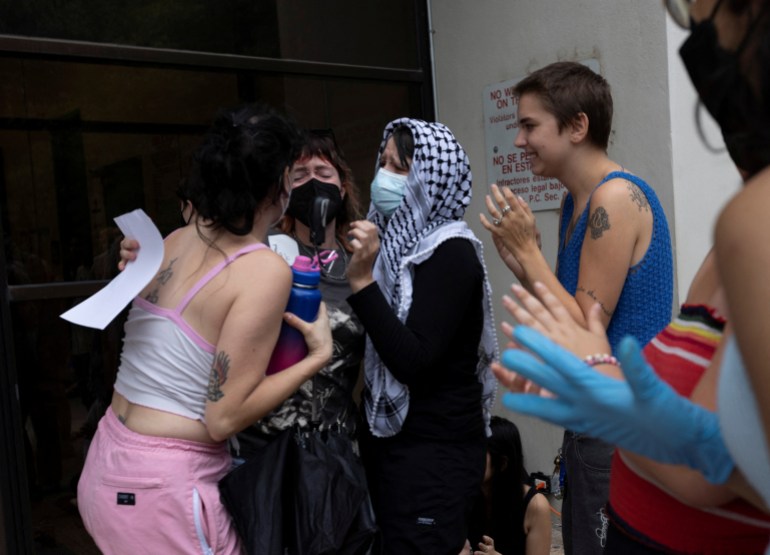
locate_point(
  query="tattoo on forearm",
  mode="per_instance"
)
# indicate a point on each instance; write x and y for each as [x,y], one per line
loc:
[639,198]
[591,294]
[599,222]
[219,371]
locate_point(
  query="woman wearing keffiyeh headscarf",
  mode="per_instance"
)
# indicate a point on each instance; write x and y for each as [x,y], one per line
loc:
[420,288]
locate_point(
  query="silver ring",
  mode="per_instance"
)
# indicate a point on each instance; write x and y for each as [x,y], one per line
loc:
[497,221]
[506,209]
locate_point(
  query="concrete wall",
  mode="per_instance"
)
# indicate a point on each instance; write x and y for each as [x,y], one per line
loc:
[477,43]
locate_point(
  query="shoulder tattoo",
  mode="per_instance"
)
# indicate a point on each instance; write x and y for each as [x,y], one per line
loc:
[162,278]
[219,371]
[638,197]
[591,294]
[599,222]
[166,274]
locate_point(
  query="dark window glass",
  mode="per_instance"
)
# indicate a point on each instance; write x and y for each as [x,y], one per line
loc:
[82,143]
[373,32]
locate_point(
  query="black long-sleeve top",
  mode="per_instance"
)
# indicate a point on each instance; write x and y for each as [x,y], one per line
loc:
[435,352]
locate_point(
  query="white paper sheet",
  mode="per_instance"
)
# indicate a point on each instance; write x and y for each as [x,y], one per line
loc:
[102,307]
[285,246]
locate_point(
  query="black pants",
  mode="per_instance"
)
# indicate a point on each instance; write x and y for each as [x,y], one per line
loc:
[622,540]
[423,491]
[586,490]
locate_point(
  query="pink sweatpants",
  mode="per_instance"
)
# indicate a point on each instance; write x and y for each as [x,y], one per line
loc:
[143,494]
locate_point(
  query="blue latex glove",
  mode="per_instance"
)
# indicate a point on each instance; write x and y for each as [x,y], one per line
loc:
[643,414]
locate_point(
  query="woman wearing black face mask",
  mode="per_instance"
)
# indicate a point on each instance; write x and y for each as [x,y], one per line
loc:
[652,506]
[322,203]
[322,182]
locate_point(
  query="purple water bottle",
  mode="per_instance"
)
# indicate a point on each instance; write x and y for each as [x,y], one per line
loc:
[304,301]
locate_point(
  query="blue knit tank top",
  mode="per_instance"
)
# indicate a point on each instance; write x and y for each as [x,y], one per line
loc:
[645,303]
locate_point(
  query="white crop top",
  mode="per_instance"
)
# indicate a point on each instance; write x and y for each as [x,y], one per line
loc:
[165,363]
[741,423]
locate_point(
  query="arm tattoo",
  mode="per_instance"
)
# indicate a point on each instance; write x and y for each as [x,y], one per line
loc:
[599,222]
[219,370]
[163,277]
[593,296]
[638,198]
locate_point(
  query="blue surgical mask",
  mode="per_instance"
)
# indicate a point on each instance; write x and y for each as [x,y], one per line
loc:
[387,191]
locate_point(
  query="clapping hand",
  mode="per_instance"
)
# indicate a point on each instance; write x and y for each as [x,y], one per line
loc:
[513,226]
[552,319]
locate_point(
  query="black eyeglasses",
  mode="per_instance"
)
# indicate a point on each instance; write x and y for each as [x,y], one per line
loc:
[679,10]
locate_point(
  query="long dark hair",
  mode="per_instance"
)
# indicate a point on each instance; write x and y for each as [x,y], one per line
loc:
[501,514]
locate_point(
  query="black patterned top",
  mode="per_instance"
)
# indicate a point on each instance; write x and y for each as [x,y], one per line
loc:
[327,398]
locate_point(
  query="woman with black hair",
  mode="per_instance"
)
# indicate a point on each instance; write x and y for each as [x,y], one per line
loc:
[510,517]
[197,343]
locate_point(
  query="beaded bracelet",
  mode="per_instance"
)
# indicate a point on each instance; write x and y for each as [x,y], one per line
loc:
[601,358]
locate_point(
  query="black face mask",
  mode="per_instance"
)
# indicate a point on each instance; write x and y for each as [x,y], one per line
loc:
[312,200]
[727,94]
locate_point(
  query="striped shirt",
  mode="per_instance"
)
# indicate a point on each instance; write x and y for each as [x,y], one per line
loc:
[680,355]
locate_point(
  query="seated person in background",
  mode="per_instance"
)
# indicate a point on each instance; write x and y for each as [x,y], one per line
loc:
[510,517]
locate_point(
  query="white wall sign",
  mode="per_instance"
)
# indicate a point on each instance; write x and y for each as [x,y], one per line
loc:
[507,165]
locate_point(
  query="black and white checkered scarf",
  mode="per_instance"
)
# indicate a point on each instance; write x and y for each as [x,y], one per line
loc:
[438,191]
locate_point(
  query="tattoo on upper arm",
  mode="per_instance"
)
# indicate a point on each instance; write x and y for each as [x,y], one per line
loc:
[591,294]
[639,198]
[599,222]
[219,371]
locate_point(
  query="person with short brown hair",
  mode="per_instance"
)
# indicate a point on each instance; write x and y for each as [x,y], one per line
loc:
[614,250]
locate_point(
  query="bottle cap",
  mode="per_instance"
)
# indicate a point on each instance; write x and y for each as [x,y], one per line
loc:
[305,264]
[306,271]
